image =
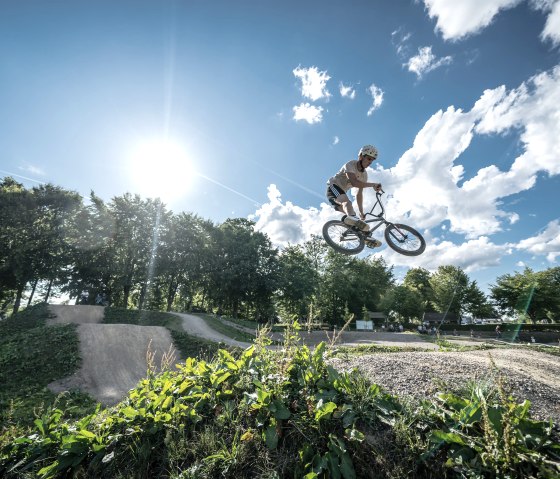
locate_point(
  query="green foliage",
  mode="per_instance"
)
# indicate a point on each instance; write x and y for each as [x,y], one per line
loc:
[404,303]
[489,435]
[529,294]
[34,238]
[298,282]
[33,355]
[227,330]
[267,413]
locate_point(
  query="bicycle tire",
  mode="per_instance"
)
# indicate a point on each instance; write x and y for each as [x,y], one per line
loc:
[411,244]
[343,238]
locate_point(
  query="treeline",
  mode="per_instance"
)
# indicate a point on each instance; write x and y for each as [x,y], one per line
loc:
[141,255]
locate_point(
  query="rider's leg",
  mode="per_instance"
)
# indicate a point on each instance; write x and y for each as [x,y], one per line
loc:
[346,205]
[340,201]
[351,217]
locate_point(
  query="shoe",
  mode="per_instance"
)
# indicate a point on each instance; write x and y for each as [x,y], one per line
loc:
[353,221]
[373,243]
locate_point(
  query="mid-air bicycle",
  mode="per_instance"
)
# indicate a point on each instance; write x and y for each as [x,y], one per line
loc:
[349,239]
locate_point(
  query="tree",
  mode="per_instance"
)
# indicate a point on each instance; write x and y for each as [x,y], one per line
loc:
[92,262]
[418,279]
[354,283]
[134,245]
[186,243]
[298,282]
[403,302]
[449,285]
[246,272]
[530,294]
[476,302]
[34,234]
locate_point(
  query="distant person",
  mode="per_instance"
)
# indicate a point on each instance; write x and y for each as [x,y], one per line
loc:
[498,332]
[84,297]
[353,175]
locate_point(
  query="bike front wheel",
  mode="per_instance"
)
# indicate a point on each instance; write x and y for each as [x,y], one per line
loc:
[343,238]
[405,240]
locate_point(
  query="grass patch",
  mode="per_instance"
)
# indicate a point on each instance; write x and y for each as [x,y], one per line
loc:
[32,355]
[225,329]
[374,349]
[142,318]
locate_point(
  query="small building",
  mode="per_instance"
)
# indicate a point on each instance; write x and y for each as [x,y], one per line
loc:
[374,319]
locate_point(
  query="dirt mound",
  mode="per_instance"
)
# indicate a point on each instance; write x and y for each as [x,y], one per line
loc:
[114,359]
[114,356]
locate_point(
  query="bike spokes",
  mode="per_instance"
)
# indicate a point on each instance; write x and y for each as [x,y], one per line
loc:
[343,238]
[405,240]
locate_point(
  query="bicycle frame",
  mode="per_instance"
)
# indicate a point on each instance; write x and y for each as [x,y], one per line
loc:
[377,218]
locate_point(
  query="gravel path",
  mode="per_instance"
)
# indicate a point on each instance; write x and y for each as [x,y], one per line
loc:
[528,374]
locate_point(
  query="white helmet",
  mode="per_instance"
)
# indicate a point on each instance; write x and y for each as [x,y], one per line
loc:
[368,150]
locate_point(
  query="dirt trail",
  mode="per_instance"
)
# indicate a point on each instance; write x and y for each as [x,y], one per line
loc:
[196,326]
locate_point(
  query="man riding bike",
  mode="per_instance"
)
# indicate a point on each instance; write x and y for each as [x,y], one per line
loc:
[353,175]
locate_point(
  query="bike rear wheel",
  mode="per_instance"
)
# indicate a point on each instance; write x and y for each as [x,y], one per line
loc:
[405,240]
[343,238]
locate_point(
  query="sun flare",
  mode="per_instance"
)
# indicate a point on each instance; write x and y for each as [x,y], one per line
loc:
[160,168]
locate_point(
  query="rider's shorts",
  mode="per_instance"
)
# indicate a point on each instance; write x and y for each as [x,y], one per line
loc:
[333,192]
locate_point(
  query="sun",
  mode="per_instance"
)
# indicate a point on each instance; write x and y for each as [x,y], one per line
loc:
[160,168]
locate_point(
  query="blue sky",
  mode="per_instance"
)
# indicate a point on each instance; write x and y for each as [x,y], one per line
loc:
[245,109]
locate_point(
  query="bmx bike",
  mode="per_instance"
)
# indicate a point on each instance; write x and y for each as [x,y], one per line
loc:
[352,240]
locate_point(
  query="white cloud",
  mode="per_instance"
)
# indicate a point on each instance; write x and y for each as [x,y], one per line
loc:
[377,96]
[426,62]
[471,255]
[313,82]
[432,164]
[546,242]
[400,41]
[32,169]
[336,140]
[429,186]
[309,113]
[347,91]
[456,19]
[286,223]
[552,27]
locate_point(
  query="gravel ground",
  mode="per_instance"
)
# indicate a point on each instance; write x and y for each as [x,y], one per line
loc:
[528,374]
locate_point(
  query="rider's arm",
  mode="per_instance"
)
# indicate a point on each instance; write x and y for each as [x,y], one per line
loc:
[360,201]
[361,184]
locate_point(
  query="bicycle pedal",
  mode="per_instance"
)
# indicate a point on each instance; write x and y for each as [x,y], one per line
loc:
[373,243]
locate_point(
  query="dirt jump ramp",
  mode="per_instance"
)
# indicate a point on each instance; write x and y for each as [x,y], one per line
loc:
[114,356]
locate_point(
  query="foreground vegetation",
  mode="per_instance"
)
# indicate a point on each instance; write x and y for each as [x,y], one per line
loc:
[32,355]
[284,413]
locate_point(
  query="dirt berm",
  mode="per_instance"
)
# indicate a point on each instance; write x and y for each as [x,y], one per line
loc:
[114,356]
